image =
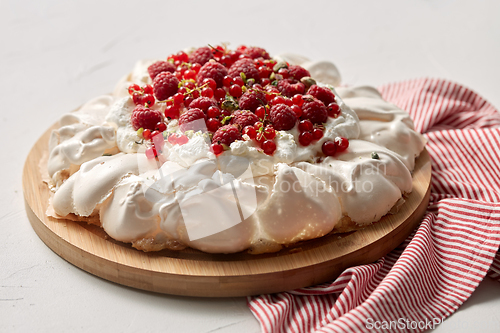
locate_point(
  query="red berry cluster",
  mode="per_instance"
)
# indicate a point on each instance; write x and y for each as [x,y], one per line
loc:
[142,95]
[236,92]
[309,132]
[330,148]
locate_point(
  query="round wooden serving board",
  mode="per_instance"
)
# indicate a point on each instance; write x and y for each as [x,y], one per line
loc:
[194,273]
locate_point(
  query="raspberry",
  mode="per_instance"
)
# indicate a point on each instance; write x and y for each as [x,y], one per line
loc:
[257,52]
[289,88]
[244,118]
[145,118]
[282,117]
[159,67]
[251,100]
[322,93]
[245,66]
[212,70]
[201,55]
[298,72]
[165,85]
[187,119]
[226,135]
[314,110]
[203,103]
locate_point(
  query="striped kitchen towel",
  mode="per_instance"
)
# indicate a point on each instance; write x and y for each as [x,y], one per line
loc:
[437,268]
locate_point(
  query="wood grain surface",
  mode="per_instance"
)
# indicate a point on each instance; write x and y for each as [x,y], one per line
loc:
[194,273]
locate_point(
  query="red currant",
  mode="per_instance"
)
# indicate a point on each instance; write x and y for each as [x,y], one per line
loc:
[269,132]
[161,127]
[258,125]
[213,112]
[329,148]
[261,112]
[260,137]
[305,125]
[132,89]
[278,100]
[178,98]
[182,56]
[172,111]
[265,82]
[210,83]
[148,89]
[181,69]
[217,148]
[189,85]
[317,133]
[333,110]
[239,81]
[188,100]
[258,62]
[268,147]
[341,143]
[189,74]
[227,81]
[297,99]
[250,131]
[305,138]
[148,100]
[219,94]
[146,134]
[226,60]
[235,90]
[196,67]
[207,92]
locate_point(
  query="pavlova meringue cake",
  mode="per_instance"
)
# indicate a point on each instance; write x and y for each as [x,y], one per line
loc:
[229,150]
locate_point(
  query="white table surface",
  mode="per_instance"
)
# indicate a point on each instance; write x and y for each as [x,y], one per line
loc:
[57,54]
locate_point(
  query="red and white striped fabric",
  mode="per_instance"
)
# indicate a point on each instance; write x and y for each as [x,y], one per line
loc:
[438,267]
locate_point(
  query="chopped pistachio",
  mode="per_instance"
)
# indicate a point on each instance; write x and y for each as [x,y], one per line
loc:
[226,119]
[308,81]
[229,105]
[279,65]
